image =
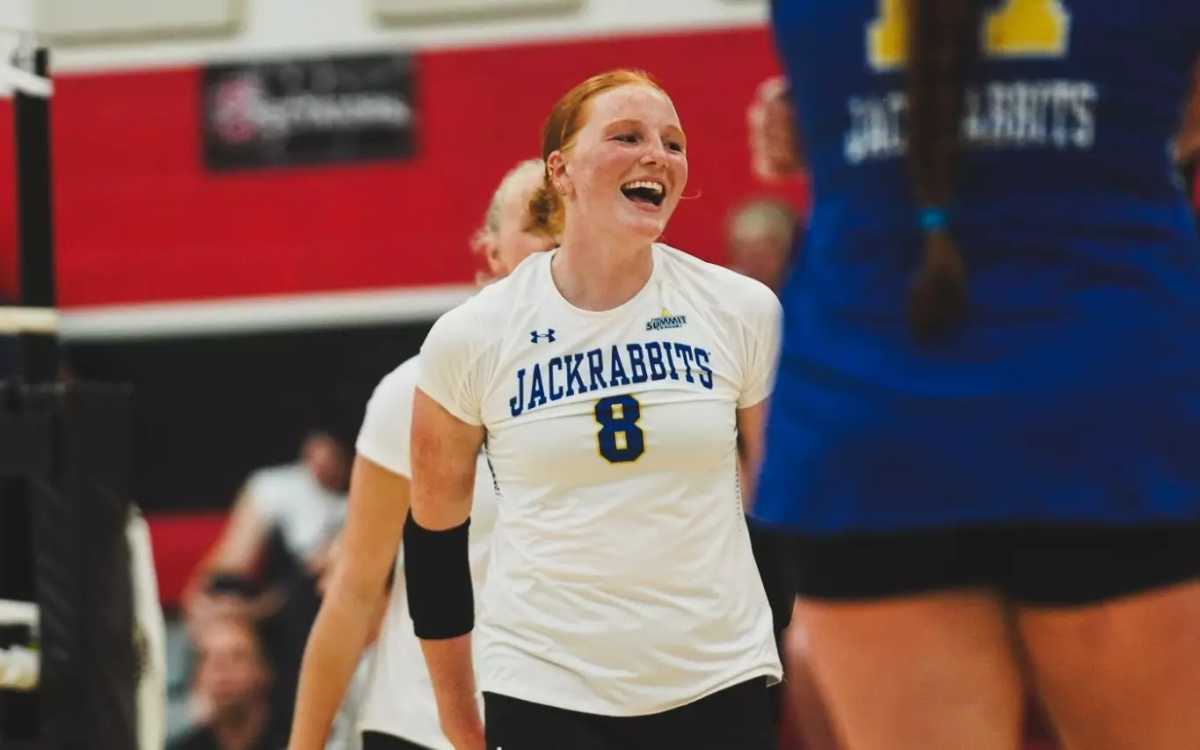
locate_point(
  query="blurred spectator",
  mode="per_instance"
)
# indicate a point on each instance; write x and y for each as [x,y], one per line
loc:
[1189,143]
[232,682]
[759,239]
[264,568]
[304,503]
[1189,140]
[776,143]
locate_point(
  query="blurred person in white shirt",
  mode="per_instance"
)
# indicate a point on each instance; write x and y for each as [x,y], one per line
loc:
[388,687]
[303,503]
[265,565]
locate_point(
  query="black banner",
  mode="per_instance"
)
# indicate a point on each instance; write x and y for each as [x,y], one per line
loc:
[305,112]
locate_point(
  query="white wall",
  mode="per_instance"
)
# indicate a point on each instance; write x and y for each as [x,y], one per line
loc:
[280,27]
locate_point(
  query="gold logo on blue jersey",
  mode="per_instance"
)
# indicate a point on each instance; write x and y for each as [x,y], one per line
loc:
[666,320]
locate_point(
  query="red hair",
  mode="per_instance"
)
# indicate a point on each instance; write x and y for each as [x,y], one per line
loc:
[566,119]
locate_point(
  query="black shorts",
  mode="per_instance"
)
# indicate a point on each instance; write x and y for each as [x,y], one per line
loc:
[381,741]
[770,549]
[736,717]
[1034,565]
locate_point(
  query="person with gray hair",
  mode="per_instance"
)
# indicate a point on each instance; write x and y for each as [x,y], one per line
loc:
[759,239]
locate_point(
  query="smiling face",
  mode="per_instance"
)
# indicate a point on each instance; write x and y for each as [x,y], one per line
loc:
[626,168]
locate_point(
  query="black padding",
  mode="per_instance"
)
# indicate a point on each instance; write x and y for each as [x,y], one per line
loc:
[437,573]
[79,507]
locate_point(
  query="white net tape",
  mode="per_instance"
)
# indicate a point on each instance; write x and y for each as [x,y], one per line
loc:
[19,668]
[16,63]
[19,664]
[18,613]
[15,321]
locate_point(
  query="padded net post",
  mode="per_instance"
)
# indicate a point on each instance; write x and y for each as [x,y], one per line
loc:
[35,219]
[26,73]
[75,476]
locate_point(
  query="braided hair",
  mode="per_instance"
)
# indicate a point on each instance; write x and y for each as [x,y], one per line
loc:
[943,43]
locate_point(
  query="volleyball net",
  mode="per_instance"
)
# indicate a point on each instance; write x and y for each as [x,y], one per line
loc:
[82,641]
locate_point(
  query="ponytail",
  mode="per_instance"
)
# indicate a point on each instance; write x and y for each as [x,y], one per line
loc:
[546,210]
[943,42]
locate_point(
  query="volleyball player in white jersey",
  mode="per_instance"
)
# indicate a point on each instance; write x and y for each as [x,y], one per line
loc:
[613,380]
[398,711]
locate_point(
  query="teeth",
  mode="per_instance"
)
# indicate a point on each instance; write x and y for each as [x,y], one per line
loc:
[647,184]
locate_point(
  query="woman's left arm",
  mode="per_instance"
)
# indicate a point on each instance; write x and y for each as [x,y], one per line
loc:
[750,423]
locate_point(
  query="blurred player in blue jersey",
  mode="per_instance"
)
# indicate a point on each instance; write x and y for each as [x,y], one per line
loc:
[983,437]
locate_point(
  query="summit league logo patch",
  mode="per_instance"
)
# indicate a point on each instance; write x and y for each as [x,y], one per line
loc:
[662,322]
[666,320]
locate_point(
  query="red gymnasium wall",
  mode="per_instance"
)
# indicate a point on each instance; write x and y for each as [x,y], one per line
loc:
[140,219]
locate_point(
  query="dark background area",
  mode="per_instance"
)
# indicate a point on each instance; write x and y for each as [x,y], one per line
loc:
[209,410]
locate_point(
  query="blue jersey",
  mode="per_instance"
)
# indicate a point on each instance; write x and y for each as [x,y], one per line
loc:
[1072,391]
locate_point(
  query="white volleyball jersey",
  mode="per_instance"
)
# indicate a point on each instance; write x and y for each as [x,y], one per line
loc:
[399,695]
[622,580]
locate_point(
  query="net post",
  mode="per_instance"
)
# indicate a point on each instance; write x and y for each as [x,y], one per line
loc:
[35,221]
[19,712]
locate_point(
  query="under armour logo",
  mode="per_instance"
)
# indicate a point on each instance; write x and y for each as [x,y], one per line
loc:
[534,336]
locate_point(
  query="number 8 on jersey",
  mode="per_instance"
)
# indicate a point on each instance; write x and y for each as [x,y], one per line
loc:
[620,440]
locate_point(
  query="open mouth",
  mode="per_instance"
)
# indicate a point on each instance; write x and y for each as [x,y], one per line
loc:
[645,191]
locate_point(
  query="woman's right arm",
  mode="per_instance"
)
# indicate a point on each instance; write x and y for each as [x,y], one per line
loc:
[370,540]
[437,563]
[457,361]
